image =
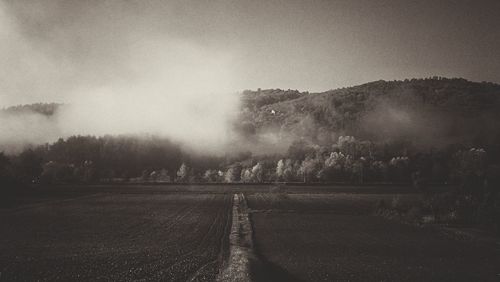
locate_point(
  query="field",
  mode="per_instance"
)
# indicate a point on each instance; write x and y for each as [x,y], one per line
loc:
[116,236]
[331,237]
[181,233]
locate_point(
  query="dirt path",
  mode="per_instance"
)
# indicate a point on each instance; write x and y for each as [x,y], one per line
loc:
[244,264]
[241,255]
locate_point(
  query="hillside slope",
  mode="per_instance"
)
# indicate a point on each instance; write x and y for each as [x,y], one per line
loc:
[437,111]
[426,112]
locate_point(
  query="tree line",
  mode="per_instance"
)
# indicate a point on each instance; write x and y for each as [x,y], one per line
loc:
[90,159]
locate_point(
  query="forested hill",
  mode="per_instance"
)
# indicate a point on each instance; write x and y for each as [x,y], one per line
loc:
[379,131]
[431,111]
[438,110]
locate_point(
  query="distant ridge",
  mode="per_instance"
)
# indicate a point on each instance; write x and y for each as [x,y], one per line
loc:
[426,111]
[453,108]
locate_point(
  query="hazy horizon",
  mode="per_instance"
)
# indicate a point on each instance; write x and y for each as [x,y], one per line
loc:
[172,67]
[60,50]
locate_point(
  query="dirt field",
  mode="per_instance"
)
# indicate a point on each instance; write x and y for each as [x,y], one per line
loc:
[332,237]
[116,237]
[181,233]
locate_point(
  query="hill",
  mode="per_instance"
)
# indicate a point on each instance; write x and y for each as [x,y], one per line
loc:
[379,131]
[430,111]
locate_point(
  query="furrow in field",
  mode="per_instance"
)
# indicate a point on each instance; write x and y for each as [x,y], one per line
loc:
[117,237]
[223,227]
[200,254]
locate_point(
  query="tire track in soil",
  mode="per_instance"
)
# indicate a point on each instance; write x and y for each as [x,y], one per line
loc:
[199,250]
[154,270]
[194,247]
[216,231]
[151,267]
[142,269]
[224,242]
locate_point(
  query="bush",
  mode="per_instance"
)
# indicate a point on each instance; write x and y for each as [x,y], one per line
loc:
[278,193]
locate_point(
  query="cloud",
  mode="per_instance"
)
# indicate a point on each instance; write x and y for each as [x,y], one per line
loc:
[117,76]
[19,131]
[26,71]
[176,89]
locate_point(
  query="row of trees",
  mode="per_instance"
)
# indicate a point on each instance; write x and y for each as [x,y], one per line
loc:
[348,160]
[88,159]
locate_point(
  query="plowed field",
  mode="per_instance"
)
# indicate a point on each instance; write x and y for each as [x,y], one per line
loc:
[335,237]
[116,237]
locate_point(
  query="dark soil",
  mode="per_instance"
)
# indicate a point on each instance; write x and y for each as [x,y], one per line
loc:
[336,238]
[116,237]
[180,232]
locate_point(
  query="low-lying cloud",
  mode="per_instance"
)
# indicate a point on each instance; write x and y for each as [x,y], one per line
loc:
[123,80]
[176,90]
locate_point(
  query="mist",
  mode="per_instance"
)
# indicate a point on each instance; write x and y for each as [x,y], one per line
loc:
[20,131]
[122,79]
[176,90]
[173,68]
[426,126]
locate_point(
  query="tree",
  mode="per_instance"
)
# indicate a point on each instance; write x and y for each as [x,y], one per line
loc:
[6,175]
[54,172]
[378,170]
[469,170]
[399,168]
[233,173]
[258,172]
[210,175]
[183,173]
[90,173]
[29,166]
[289,170]
[334,166]
[285,170]
[309,169]
[298,150]
[280,170]
[246,175]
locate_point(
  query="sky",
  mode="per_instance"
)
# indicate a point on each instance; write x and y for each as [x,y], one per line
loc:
[57,51]
[174,68]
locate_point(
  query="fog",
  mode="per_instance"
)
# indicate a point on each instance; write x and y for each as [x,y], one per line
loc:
[422,126]
[19,131]
[427,126]
[172,68]
[175,90]
[123,82]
